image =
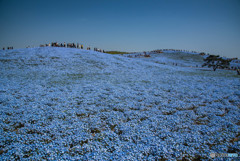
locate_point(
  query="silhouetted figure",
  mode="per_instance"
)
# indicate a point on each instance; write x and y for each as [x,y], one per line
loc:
[81,46]
[54,44]
[69,45]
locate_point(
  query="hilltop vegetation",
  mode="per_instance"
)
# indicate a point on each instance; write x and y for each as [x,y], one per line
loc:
[116,52]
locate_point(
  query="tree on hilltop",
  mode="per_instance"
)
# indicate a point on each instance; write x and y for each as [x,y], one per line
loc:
[216,62]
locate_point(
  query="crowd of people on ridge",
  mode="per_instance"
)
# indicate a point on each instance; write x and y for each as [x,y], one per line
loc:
[8,48]
[68,45]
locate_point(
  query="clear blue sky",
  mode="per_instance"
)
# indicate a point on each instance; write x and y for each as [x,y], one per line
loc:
[212,26]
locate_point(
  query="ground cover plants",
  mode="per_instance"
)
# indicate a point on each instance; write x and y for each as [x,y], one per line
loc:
[72,104]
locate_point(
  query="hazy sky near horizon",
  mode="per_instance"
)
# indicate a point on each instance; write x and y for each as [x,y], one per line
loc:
[211,26]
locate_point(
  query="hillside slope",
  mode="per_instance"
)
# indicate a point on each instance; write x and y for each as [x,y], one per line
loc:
[59,103]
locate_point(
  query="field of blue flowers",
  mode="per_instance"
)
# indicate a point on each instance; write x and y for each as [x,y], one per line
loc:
[72,104]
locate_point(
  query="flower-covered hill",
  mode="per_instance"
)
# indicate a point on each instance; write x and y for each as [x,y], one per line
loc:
[72,104]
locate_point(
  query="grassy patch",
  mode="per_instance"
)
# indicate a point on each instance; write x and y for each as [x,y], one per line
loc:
[158,62]
[185,57]
[116,52]
[5,60]
[145,81]
[33,64]
[66,79]
[75,76]
[55,57]
[210,73]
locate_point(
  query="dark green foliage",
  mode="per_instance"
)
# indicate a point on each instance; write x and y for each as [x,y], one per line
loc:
[116,52]
[216,62]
